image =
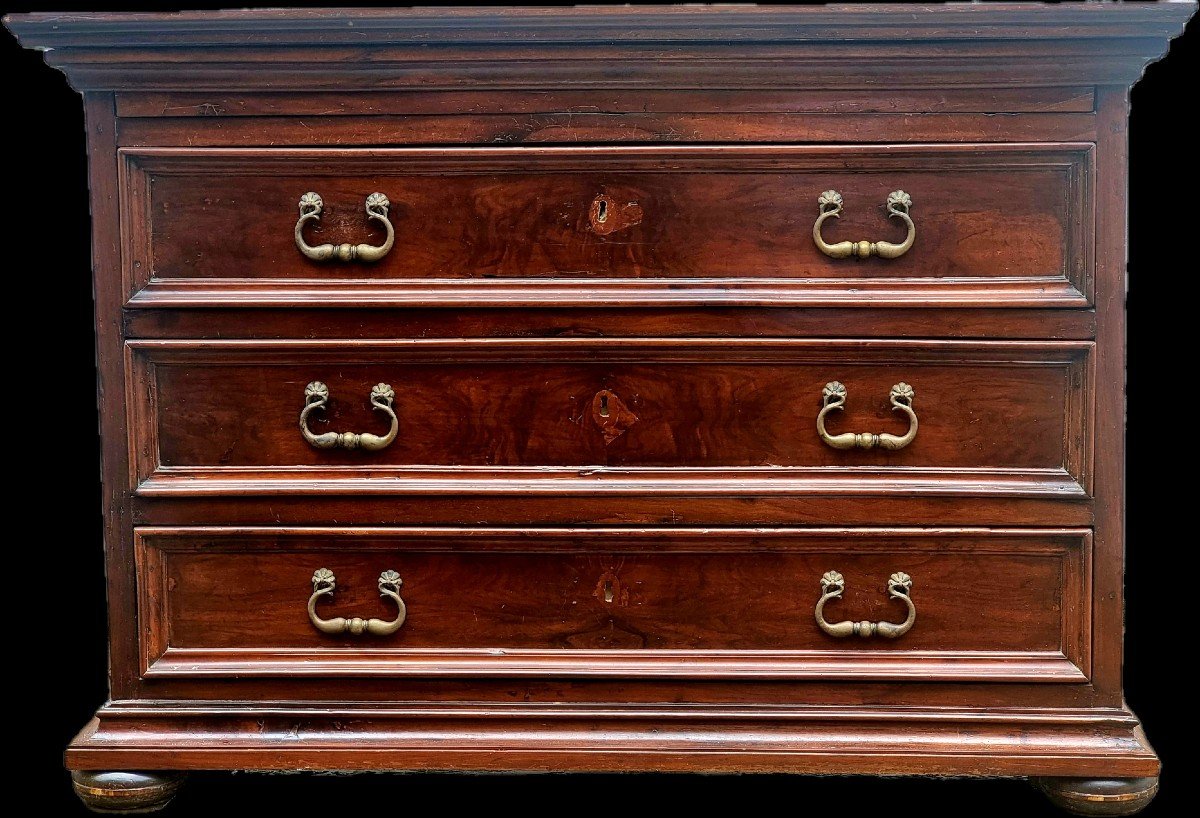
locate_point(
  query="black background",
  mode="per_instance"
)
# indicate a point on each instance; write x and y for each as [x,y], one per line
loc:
[55,671]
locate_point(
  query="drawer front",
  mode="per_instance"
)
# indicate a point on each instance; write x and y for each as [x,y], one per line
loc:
[994,225]
[987,605]
[679,414]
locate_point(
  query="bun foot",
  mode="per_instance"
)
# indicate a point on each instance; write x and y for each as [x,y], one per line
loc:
[1099,796]
[125,793]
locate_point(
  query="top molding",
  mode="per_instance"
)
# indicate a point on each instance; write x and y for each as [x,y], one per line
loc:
[846,46]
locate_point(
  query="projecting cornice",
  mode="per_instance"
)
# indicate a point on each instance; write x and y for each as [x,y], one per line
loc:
[846,47]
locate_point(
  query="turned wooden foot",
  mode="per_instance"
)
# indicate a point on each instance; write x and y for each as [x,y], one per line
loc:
[125,792]
[1099,796]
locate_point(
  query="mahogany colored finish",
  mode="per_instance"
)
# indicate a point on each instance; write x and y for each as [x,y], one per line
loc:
[586,101]
[617,602]
[607,327]
[600,322]
[583,128]
[1005,407]
[1009,217]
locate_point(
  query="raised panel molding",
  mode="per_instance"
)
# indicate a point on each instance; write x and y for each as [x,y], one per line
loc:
[268,651]
[804,279]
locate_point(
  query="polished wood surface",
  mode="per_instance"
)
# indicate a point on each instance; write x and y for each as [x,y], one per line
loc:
[618,602]
[125,792]
[738,212]
[621,406]
[731,403]
[667,737]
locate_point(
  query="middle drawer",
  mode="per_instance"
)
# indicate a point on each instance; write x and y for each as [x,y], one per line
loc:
[489,415]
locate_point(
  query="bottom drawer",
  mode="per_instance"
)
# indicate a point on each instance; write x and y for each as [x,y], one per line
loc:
[983,605]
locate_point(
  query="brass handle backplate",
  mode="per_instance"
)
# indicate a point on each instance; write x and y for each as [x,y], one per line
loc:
[389,588]
[833,397]
[899,585]
[316,396]
[898,205]
[377,206]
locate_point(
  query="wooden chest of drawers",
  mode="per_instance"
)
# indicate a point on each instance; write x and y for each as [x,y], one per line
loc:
[731,389]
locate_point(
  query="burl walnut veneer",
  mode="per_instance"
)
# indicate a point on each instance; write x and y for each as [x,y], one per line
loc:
[713,389]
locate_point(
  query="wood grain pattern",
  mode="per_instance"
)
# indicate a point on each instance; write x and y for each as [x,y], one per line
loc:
[874,47]
[662,736]
[593,321]
[616,602]
[120,575]
[589,101]
[708,218]
[889,23]
[1020,408]
[1110,427]
[500,317]
[590,129]
[755,697]
[609,497]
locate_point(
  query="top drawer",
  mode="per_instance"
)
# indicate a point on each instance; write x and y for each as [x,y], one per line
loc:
[994,225]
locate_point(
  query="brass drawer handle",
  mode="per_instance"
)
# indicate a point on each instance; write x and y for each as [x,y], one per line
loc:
[316,396]
[898,205]
[389,588]
[899,585]
[311,206]
[833,397]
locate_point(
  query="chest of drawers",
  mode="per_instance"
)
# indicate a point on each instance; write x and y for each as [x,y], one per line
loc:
[730,389]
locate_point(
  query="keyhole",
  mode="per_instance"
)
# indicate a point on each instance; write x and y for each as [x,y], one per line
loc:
[602,211]
[604,406]
[608,590]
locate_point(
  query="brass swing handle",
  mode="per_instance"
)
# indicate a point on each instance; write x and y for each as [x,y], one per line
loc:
[899,585]
[833,398]
[316,396]
[389,588]
[311,206]
[898,205]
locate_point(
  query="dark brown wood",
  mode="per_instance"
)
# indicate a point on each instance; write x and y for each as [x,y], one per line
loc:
[707,218]
[608,500]
[1100,796]
[111,375]
[585,128]
[662,736]
[1110,368]
[557,499]
[895,24]
[125,792]
[600,322]
[587,102]
[616,602]
[741,48]
[1005,408]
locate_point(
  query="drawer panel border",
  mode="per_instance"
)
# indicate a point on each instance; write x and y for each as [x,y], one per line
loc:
[1071,290]
[148,478]
[1071,665]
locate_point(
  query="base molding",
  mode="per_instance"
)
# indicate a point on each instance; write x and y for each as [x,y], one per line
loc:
[1078,743]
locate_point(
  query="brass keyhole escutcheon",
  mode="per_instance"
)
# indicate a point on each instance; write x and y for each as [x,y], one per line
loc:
[604,405]
[608,590]
[602,211]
